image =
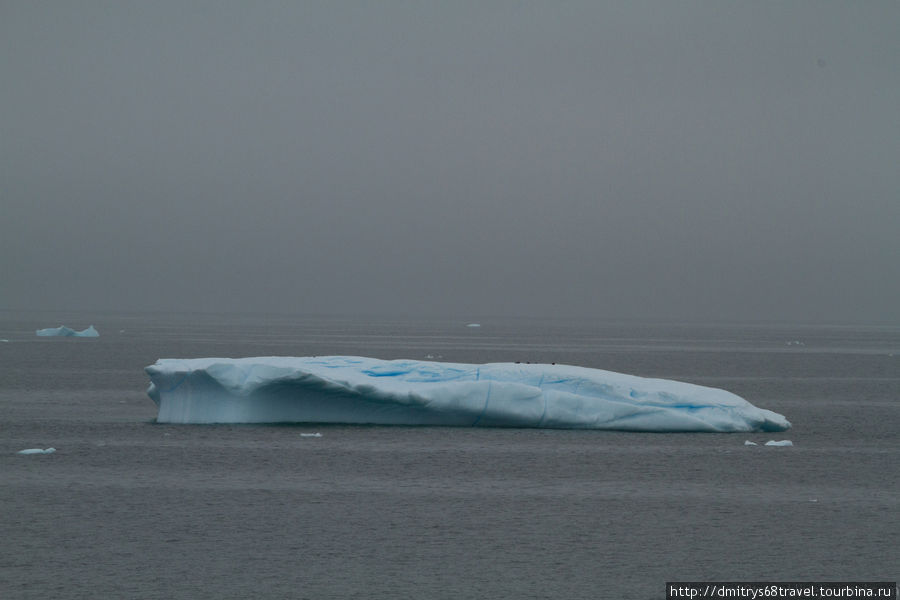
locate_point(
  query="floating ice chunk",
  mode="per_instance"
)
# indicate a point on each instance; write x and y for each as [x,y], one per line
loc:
[780,443]
[37,451]
[474,325]
[310,435]
[350,389]
[749,443]
[63,331]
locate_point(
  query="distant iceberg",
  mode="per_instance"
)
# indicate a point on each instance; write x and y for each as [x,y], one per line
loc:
[37,451]
[349,389]
[63,331]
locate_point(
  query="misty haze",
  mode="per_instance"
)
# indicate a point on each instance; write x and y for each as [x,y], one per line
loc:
[660,160]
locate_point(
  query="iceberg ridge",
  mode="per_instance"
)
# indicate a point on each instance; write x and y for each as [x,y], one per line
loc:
[350,389]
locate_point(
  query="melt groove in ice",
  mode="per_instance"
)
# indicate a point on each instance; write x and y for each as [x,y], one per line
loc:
[350,389]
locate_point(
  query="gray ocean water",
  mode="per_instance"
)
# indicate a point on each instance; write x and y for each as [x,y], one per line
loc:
[127,508]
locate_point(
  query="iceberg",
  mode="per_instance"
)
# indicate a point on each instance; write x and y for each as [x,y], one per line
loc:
[780,443]
[27,451]
[64,331]
[351,389]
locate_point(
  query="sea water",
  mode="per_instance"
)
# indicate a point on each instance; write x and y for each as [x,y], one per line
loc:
[127,508]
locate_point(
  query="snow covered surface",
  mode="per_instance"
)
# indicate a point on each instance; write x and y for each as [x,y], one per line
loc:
[350,389]
[64,331]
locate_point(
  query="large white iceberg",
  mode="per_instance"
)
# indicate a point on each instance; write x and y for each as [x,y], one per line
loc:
[349,389]
[66,332]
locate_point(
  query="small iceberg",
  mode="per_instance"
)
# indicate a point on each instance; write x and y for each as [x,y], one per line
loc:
[37,451]
[474,325]
[749,443]
[780,443]
[63,331]
[310,435]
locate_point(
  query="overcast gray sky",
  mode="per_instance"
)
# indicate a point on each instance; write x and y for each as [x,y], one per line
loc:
[722,160]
